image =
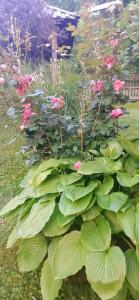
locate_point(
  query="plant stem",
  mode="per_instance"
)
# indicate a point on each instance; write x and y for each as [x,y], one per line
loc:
[81,131]
[127,242]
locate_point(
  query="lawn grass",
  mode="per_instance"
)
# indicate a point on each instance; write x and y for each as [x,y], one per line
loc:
[22,286]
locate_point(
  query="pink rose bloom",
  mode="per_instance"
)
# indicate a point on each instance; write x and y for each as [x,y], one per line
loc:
[77,165]
[114,42]
[118,85]
[116,113]
[57,103]
[97,86]
[27,113]
[109,61]
[2,81]
[4,67]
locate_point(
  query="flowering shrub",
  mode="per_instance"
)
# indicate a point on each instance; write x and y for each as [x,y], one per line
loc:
[76,214]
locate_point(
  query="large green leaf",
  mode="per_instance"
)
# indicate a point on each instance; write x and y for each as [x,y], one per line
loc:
[26,207]
[29,176]
[130,147]
[100,165]
[31,252]
[77,192]
[69,256]
[107,266]
[113,201]
[49,285]
[132,269]
[92,213]
[129,221]
[39,178]
[55,184]
[107,290]
[14,236]
[64,220]
[122,294]
[96,234]
[113,150]
[111,216]
[68,207]
[127,180]
[38,217]
[53,227]
[15,202]
[105,188]
[52,163]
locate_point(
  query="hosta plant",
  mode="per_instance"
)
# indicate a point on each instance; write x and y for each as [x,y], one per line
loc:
[73,215]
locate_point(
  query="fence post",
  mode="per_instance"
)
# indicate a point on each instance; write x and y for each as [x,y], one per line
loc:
[53,39]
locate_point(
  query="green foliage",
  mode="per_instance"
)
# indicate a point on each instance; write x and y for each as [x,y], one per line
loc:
[84,211]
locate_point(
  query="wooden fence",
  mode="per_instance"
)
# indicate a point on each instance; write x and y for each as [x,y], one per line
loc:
[131,88]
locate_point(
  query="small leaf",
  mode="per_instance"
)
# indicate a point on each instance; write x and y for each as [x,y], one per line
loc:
[132,269]
[92,213]
[96,234]
[113,150]
[113,221]
[127,180]
[68,207]
[106,187]
[53,227]
[31,252]
[77,192]
[69,256]
[113,201]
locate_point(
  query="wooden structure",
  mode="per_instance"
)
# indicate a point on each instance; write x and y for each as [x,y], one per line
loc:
[131,88]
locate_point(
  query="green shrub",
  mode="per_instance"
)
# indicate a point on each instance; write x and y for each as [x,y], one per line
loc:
[81,214]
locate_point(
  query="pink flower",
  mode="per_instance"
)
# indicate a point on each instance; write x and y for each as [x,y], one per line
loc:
[27,113]
[109,61]
[4,67]
[2,81]
[118,85]
[97,86]
[57,103]
[22,84]
[116,113]
[77,165]
[29,78]
[114,42]
[26,106]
